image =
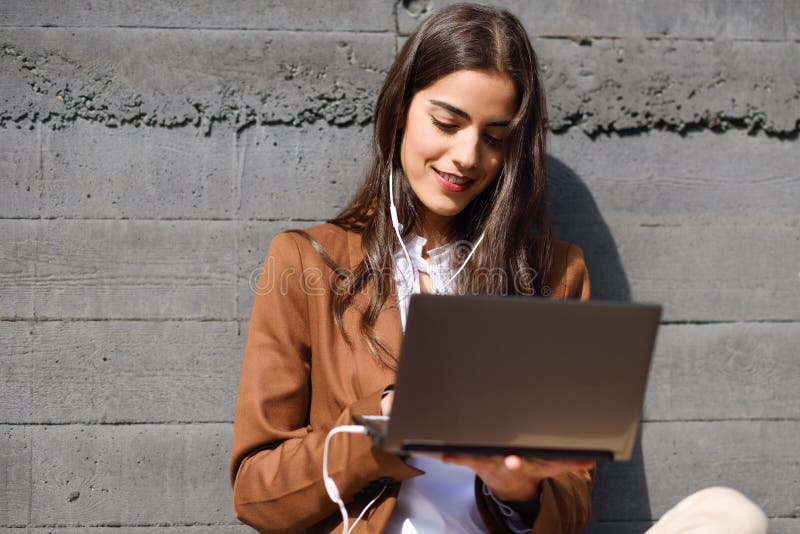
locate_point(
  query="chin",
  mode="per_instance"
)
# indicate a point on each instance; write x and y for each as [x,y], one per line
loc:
[446,211]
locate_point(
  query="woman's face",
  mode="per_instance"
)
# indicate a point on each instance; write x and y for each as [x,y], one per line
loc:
[453,139]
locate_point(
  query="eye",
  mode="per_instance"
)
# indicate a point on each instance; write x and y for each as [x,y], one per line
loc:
[444,126]
[492,140]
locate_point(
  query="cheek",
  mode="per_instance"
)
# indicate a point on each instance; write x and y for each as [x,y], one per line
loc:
[422,143]
[492,164]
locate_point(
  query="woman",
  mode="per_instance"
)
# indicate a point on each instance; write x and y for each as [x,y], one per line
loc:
[460,134]
[454,201]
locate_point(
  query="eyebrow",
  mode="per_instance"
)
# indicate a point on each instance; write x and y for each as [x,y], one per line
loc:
[463,114]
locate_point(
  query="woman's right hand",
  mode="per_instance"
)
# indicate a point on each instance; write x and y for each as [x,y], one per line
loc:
[518,480]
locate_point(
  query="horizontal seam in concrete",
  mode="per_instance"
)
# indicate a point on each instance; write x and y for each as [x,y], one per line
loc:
[746,321]
[116,423]
[770,224]
[735,124]
[713,224]
[145,525]
[45,319]
[230,422]
[700,126]
[552,36]
[726,420]
[145,219]
[121,525]
[620,521]
[198,28]
[578,37]
[38,319]
[590,37]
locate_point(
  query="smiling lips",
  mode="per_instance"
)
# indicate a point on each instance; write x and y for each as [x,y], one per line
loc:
[453,182]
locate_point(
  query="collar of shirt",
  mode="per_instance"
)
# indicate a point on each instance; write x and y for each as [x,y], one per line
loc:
[406,277]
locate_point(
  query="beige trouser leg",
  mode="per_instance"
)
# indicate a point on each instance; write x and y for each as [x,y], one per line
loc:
[713,511]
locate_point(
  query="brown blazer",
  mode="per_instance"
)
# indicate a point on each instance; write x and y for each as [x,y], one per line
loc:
[300,379]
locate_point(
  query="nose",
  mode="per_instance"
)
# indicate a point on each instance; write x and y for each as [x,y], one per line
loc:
[465,151]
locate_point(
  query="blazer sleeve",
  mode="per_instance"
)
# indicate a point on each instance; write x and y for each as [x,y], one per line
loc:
[276,465]
[576,275]
[565,502]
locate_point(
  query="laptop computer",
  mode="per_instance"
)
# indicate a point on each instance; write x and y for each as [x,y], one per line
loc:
[493,375]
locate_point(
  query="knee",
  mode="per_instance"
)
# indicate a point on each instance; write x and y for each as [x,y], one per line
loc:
[740,514]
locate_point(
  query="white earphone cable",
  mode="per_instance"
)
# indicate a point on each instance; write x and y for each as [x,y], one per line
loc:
[466,260]
[396,225]
[330,484]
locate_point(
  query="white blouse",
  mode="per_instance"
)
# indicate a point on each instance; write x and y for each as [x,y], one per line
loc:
[406,278]
[443,499]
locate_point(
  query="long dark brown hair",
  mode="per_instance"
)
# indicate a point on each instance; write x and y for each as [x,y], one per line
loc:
[514,257]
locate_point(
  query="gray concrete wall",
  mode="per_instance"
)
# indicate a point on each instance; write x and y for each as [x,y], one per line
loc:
[149,151]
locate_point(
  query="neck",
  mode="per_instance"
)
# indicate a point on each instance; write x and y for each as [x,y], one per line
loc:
[437,231]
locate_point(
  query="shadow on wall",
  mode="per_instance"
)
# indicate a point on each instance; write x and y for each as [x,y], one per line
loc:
[620,494]
[576,219]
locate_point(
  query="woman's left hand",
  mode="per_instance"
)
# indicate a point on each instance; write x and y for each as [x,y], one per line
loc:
[515,479]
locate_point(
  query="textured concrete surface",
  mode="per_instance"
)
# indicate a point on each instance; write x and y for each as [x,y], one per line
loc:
[658,178]
[707,273]
[299,15]
[178,77]
[16,483]
[149,475]
[767,20]
[682,457]
[130,475]
[776,526]
[149,152]
[119,269]
[58,372]
[635,84]
[726,370]
[284,172]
